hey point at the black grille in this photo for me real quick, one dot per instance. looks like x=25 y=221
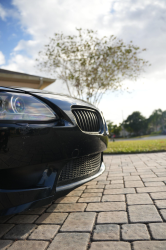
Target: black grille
x=79 y=168
x=88 y=120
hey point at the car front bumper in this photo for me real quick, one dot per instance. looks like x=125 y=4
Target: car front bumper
x=33 y=158
x=16 y=201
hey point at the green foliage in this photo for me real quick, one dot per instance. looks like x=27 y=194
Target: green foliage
x=89 y=65
x=136 y=123
x=136 y=146
x=110 y=126
x=116 y=130
x=156 y=133
x=157 y=119
x=113 y=128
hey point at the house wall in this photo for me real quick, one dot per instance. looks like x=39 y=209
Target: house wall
x=124 y=133
x=19 y=84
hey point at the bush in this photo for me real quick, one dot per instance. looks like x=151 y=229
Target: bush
x=156 y=133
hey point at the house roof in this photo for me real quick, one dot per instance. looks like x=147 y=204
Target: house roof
x=13 y=78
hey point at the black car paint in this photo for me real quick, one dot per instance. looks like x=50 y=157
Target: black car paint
x=32 y=155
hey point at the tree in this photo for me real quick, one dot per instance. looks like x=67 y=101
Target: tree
x=110 y=126
x=116 y=130
x=89 y=65
x=136 y=123
x=163 y=120
x=113 y=128
x=157 y=119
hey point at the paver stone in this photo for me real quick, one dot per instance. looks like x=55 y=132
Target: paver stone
x=4 y=244
x=84 y=195
x=149 y=245
x=52 y=218
x=112 y=217
x=158 y=230
x=163 y=213
x=106 y=206
x=67 y=199
x=70 y=241
x=20 y=232
x=44 y=232
x=138 y=199
x=144 y=214
x=135 y=232
x=4 y=228
x=113 y=197
x=160 y=204
x=79 y=222
x=71 y=207
x=19 y=219
x=120 y=191
x=107 y=232
x=109 y=245
x=29 y=245
x=89 y=199
x=158 y=196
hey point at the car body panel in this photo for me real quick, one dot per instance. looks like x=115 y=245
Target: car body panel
x=32 y=155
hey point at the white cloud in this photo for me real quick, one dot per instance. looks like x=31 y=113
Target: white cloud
x=7 y=12
x=31 y=47
x=42 y=18
x=3 y=13
x=143 y=22
x=20 y=63
x=2 y=58
x=148 y=96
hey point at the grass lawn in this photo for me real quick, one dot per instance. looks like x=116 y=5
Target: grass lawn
x=135 y=146
x=140 y=136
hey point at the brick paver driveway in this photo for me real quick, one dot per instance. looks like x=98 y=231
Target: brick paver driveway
x=123 y=209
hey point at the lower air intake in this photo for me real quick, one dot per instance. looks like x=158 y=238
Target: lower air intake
x=80 y=168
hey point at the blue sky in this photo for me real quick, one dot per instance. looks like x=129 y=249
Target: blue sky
x=25 y=27
x=11 y=31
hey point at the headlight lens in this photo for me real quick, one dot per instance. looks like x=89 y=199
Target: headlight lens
x=18 y=105
x=14 y=106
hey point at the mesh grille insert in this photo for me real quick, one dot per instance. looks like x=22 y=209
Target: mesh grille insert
x=79 y=168
x=88 y=120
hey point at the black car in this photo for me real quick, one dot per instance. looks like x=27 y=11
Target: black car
x=49 y=145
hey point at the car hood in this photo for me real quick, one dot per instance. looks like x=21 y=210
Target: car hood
x=45 y=93
x=64 y=102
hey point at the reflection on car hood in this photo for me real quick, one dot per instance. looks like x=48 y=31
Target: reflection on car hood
x=56 y=98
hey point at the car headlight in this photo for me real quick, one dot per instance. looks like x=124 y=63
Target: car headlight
x=18 y=106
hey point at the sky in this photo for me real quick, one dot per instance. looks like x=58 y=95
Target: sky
x=25 y=27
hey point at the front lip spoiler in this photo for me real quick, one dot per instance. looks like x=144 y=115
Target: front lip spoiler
x=79 y=183
x=44 y=199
